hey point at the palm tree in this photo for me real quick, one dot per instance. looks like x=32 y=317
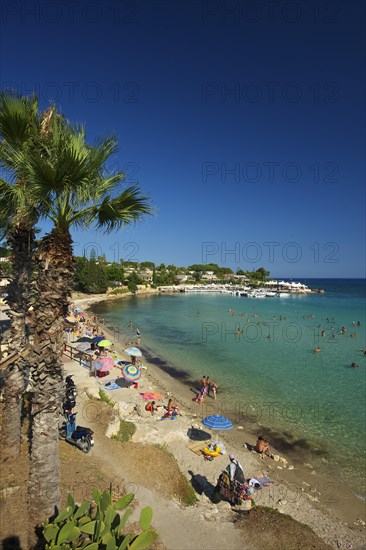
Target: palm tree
x=19 y=126
x=70 y=177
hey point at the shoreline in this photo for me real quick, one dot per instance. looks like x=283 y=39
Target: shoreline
x=337 y=502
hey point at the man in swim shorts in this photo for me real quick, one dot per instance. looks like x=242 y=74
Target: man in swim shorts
x=263 y=447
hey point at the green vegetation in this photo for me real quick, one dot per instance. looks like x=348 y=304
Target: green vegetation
x=104 y=397
x=120 y=291
x=90 y=276
x=96 y=275
x=97 y=524
x=54 y=175
x=125 y=432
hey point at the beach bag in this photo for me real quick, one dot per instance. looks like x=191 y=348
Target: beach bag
x=239 y=475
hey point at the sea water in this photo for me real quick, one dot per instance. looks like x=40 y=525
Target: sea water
x=261 y=354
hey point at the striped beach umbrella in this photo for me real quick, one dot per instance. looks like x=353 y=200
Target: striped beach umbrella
x=134 y=352
x=217 y=422
x=131 y=373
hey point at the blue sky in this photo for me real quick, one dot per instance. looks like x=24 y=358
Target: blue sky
x=243 y=123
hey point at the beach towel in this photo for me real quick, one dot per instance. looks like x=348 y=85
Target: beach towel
x=151 y=396
x=198 y=446
x=111 y=385
x=264 y=481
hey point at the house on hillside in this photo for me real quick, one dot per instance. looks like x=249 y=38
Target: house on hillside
x=146 y=275
x=209 y=276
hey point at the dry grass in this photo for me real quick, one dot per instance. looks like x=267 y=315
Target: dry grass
x=268 y=528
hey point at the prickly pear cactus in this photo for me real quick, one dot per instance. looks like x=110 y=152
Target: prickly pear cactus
x=98 y=525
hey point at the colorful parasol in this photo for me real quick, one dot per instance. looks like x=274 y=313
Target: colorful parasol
x=108 y=362
x=71 y=319
x=217 y=422
x=104 y=343
x=134 y=352
x=96 y=365
x=131 y=373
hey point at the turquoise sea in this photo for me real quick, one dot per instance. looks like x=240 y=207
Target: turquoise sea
x=309 y=404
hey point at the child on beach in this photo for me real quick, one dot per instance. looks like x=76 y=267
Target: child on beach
x=199 y=398
x=214 y=388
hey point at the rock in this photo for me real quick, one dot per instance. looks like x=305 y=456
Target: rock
x=209 y=517
x=113 y=427
x=223 y=506
x=279 y=468
x=276 y=458
x=240 y=428
x=92 y=392
x=9 y=491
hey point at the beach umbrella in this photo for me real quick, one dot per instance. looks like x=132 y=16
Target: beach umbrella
x=217 y=422
x=107 y=361
x=71 y=319
x=77 y=309
x=83 y=346
x=66 y=320
x=97 y=339
x=84 y=339
x=96 y=365
x=134 y=352
x=131 y=373
x=104 y=343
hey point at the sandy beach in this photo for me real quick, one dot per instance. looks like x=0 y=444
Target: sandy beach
x=332 y=511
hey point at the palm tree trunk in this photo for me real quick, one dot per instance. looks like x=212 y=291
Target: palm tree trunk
x=54 y=284
x=21 y=240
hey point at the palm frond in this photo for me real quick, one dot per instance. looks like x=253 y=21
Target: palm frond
x=113 y=213
x=18 y=118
